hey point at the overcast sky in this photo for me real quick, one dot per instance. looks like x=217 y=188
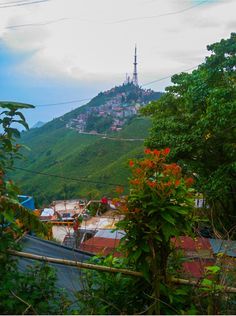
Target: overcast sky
x=62 y=50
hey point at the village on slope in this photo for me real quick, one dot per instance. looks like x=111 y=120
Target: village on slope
x=90 y=227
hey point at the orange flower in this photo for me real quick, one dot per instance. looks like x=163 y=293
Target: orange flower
x=131 y=163
x=156 y=152
x=166 y=151
x=172 y=169
x=177 y=183
x=151 y=184
x=138 y=170
x=147 y=151
x=189 y=182
x=135 y=181
x=148 y=163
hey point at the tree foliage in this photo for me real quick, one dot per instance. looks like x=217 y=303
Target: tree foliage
x=197 y=119
x=19 y=292
x=11 y=211
x=32 y=292
x=159 y=207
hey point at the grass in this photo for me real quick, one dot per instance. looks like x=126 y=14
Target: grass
x=60 y=151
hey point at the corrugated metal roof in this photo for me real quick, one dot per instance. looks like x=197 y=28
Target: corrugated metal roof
x=107 y=233
x=227 y=247
x=192 y=244
x=69 y=278
x=100 y=245
x=196 y=268
x=27 y=201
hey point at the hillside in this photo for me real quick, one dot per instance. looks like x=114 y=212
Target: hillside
x=100 y=163
x=38 y=124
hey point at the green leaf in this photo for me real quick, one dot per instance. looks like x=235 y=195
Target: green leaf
x=9 y=215
x=178 y=209
x=213 y=269
x=168 y=218
x=207 y=283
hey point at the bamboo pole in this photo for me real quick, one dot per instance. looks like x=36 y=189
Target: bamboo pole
x=90 y=266
x=73 y=263
x=227 y=289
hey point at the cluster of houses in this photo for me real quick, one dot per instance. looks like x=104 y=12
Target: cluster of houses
x=74 y=227
x=118 y=107
x=73 y=224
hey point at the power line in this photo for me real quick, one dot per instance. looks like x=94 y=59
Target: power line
x=68 y=178
x=35 y=24
x=14 y=2
x=167 y=77
x=65 y=102
x=3 y=6
x=63 y=19
x=158 y=16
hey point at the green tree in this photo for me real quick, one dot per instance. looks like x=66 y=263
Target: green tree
x=10 y=208
x=20 y=292
x=159 y=207
x=197 y=118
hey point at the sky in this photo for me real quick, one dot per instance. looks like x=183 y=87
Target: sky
x=64 y=51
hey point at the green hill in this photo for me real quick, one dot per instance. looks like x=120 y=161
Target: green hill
x=75 y=165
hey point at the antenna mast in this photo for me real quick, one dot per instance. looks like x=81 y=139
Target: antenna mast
x=135 y=74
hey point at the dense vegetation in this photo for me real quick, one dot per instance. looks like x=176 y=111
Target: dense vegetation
x=197 y=119
x=20 y=292
x=59 y=151
x=98 y=123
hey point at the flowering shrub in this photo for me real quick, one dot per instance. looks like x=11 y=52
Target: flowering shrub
x=159 y=206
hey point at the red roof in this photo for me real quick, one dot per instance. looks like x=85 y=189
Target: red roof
x=196 y=268
x=192 y=244
x=198 y=250
x=100 y=245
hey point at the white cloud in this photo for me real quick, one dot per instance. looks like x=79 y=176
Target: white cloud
x=88 y=47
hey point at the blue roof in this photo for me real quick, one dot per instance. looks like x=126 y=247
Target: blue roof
x=27 y=201
x=227 y=247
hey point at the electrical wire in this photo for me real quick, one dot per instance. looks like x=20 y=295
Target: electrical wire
x=35 y=24
x=12 y=27
x=68 y=178
x=14 y=2
x=3 y=6
x=65 y=102
x=167 y=77
x=158 y=16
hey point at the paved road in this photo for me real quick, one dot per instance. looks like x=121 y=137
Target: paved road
x=104 y=136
